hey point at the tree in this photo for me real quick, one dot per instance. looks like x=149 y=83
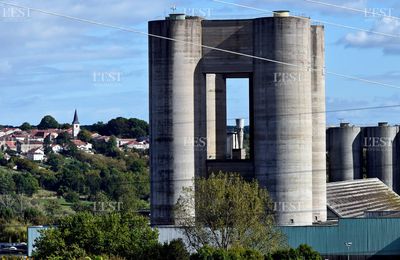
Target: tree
x=25 y=126
x=25 y=184
x=85 y=136
x=72 y=197
x=48 y=122
x=47 y=144
x=63 y=138
x=240 y=215
x=300 y=253
x=84 y=234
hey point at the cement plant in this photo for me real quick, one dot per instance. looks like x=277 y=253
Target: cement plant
x=330 y=185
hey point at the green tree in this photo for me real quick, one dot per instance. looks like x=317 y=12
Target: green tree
x=240 y=215
x=25 y=184
x=25 y=126
x=300 y=253
x=84 y=234
x=63 y=138
x=47 y=145
x=7 y=184
x=72 y=197
x=85 y=136
x=48 y=122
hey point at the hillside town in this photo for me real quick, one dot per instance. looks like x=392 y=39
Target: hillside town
x=31 y=144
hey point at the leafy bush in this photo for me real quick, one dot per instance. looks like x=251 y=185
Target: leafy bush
x=210 y=253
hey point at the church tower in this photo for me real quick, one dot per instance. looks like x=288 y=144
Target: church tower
x=76 y=127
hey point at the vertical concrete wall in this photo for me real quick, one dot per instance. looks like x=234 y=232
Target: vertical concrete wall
x=380 y=147
x=319 y=122
x=216 y=116
x=172 y=133
x=282 y=116
x=345 y=153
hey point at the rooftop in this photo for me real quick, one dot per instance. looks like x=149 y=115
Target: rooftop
x=351 y=199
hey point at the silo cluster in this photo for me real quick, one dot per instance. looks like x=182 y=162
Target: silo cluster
x=287 y=104
x=357 y=152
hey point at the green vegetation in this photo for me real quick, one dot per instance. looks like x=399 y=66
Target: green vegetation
x=84 y=234
x=240 y=215
x=48 y=122
x=41 y=193
x=121 y=127
x=128 y=236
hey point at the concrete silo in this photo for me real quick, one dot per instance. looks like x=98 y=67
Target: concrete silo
x=380 y=147
x=344 y=152
x=286 y=112
x=172 y=68
x=283 y=115
x=319 y=122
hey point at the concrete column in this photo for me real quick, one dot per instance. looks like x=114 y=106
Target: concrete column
x=380 y=146
x=319 y=123
x=282 y=116
x=216 y=116
x=345 y=153
x=172 y=107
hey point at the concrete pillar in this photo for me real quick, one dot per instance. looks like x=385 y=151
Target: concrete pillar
x=319 y=123
x=380 y=146
x=344 y=152
x=282 y=116
x=173 y=68
x=216 y=116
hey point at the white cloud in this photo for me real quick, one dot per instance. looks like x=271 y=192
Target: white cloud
x=389 y=45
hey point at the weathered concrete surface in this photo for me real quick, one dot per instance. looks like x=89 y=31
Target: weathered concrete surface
x=188 y=109
x=282 y=116
x=216 y=116
x=345 y=154
x=172 y=138
x=319 y=122
x=380 y=146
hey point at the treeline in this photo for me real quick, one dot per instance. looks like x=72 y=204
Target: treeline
x=128 y=236
x=119 y=127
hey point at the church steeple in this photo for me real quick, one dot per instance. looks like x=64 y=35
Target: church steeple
x=76 y=120
x=76 y=127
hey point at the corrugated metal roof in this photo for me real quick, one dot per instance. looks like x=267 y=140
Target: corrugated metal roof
x=349 y=199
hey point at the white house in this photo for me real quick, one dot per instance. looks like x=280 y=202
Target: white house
x=36 y=154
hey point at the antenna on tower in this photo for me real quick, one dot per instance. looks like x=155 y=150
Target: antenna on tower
x=173 y=8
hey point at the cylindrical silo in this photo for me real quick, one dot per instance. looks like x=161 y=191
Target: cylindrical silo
x=379 y=146
x=344 y=152
x=319 y=122
x=282 y=115
x=172 y=135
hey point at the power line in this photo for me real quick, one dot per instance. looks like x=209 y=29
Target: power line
x=354 y=9
x=310 y=113
x=318 y=21
x=199 y=45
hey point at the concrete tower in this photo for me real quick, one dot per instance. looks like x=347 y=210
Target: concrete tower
x=172 y=112
x=76 y=127
x=319 y=122
x=380 y=146
x=188 y=110
x=282 y=115
x=344 y=148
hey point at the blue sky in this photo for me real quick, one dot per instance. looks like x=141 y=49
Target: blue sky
x=50 y=65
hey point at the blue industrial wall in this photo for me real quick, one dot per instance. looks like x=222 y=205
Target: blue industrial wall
x=369 y=236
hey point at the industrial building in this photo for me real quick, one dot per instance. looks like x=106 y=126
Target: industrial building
x=188 y=109
x=364 y=152
x=292 y=152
